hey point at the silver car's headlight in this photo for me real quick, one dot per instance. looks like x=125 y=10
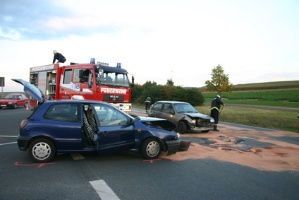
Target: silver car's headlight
x=178 y=135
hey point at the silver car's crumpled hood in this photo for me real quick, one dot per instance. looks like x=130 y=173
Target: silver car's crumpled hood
x=198 y=115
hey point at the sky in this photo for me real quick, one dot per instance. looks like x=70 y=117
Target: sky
x=155 y=40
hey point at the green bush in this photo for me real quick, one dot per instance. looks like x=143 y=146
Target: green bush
x=166 y=92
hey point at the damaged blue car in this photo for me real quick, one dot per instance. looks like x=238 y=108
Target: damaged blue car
x=69 y=126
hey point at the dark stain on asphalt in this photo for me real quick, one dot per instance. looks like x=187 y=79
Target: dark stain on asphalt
x=242 y=144
x=292 y=140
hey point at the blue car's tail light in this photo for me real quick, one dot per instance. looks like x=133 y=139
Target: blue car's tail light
x=24 y=123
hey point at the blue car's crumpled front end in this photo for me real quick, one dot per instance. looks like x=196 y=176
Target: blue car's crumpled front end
x=163 y=129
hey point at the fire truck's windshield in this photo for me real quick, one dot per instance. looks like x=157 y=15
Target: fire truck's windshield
x=114 y=79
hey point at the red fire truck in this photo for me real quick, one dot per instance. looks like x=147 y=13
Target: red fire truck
x=84 y=81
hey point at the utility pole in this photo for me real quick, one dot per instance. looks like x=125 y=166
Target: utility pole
x=2 y=84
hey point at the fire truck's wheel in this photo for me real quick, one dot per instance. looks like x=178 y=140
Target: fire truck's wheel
x=25 y=105
x=42 y=150
x=151 y=149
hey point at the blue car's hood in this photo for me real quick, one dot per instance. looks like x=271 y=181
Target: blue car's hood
x=157 y=122
x=31 y=90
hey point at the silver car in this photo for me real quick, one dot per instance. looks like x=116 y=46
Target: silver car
x=183 y=114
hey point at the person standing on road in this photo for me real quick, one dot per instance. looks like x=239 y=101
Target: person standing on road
x=215 y=108
x=148 y=102
x=59 y=57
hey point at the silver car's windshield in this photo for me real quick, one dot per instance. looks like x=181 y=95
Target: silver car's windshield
x=184 y=108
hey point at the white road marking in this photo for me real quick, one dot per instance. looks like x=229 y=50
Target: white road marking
x=8 y=143
x=8 y=136
x=103 y=190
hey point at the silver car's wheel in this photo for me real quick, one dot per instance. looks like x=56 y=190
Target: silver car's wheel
x=182 y=127
x=151 y=149
x=41 y=150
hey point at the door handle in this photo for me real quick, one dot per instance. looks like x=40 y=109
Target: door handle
x=105 y=133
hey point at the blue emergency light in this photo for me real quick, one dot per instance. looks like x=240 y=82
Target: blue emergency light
x=118 y=65
x=92 y=60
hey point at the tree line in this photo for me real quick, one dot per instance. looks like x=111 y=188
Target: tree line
x=166 y=92
x=219 y=82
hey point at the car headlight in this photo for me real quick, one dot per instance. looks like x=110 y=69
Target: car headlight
x=178 y=135
x=10 y=102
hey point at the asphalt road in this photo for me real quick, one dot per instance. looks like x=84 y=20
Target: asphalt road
x=127 y=176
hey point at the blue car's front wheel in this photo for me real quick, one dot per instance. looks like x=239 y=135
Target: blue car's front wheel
x=151 y=148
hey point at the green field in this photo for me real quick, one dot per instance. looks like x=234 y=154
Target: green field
x=269 y=105
x=268 y=85
x=260 y=117
x=282 y=98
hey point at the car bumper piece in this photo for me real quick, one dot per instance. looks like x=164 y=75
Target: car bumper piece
x=202 y=128
x=184 y=145
x=173 y=146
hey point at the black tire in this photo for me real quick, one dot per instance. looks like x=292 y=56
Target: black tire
x=151 y=149
x=205 y=131
x=42 y=150
x=182 y=127
x=15 y=106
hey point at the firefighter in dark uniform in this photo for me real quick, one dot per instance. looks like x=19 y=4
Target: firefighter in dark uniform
x=215 y=108
x=148 y=102
x=59 y=57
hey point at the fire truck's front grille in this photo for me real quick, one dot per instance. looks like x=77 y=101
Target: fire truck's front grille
x=111 y=97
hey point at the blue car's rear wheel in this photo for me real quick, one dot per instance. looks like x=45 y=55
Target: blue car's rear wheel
x=42 y=150
x=151 y=148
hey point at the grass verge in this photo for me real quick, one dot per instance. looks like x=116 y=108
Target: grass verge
x=260 y=117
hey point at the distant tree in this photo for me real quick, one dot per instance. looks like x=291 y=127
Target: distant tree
x=219 y=81
x=170 y=82
x=149 y=83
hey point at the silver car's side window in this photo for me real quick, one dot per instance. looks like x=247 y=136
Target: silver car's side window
x=157 y=107
x=168 y=108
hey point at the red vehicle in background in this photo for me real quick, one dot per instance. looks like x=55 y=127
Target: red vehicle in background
x=92 y=81
x=13 y=100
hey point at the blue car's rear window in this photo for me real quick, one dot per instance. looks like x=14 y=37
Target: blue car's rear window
x=63 y=112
